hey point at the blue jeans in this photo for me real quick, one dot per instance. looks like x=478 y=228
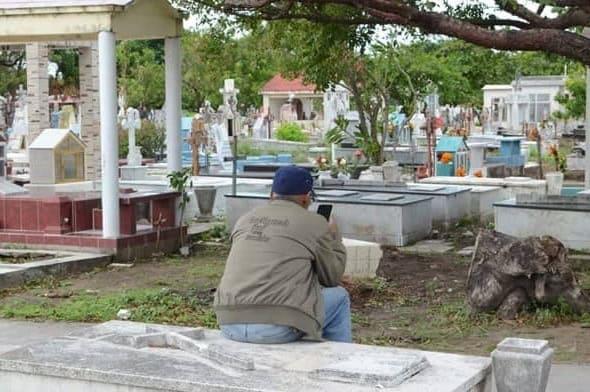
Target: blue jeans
x=337 y=324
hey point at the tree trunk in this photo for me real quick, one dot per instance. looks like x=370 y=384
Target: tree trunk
x=507 y=274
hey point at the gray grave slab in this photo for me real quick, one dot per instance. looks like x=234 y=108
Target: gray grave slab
x=335 y=193
x=426 y=187
x=126 y=356
x=381 y=197
x=449 y=203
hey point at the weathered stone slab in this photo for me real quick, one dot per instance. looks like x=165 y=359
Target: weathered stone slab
x=362 y=258
x=93 y=360
x=429 y=247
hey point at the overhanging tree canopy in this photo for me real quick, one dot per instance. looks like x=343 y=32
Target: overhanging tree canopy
x=551 y=25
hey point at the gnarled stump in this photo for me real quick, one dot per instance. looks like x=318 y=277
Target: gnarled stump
x=508 y=273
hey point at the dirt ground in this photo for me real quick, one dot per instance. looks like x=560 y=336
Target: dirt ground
x=417 y=301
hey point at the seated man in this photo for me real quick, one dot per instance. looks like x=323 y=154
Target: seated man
x=281 y=278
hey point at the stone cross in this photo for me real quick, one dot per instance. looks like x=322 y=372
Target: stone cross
x=132 y=124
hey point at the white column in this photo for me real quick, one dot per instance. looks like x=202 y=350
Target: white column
x=109 y=137
x=173 y=104
x=587 y=126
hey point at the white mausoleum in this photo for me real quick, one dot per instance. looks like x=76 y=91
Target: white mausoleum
x=527 y=100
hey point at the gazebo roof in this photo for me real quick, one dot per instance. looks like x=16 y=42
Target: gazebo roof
x=23 y=21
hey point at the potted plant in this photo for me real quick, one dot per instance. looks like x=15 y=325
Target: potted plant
x=359 y=164
x=555 y=179
x=178 y=182
x=339 y=168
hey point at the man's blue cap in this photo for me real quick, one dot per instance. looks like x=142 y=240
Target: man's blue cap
x=292 y=180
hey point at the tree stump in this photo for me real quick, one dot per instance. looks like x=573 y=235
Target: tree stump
x=507 y=274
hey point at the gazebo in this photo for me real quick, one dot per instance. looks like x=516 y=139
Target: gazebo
x=102 y=23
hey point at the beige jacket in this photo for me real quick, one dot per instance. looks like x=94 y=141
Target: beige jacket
x=281 y=256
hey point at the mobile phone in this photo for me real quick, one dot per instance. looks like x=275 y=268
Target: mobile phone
x=325 y=210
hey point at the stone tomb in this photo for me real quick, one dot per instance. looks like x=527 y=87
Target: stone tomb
x=125 y=356
x=398 y=220
x=565 y=218
x=449 y=203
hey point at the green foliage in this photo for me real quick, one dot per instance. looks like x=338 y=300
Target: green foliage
x=141 y=72
x=245 y=148
x=179 y=181
x=214 y=55
x=147 y=305
x=150 y=137
x=291 y=132
x=574 y=100
x=67 y=62
x=364 y=140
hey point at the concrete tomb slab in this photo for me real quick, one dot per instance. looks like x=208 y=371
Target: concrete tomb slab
x=449 y=203
x=394 y=222
x=125 y=356
x=382 y=197
x=336 y=193
x=362 y=258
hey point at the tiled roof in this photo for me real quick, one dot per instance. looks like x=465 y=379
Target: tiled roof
x=279 y=84
x=16 y=4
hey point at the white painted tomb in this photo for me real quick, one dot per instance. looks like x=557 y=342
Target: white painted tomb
x=569 y=221
x=397 y=220
x=513 y=185
x=120 y=356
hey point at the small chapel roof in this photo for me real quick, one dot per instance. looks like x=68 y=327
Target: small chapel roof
x=51 y=138
x=279 y=84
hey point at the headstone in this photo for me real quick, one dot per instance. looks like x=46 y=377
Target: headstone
x=133 y=123
x=418 y=122
x=391 y=172
x=287 y=113
x=198 y=139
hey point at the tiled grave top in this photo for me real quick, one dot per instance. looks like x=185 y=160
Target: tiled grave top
x=355 y=198
x=414 y=189
x=188 y=359
x=524 y=346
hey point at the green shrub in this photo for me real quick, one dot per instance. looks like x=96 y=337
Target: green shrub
x=151 y=139
x=291 y=132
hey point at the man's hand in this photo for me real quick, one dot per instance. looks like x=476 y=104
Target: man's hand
x=333 y=226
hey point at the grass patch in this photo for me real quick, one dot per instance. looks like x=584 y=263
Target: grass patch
x=162 y=306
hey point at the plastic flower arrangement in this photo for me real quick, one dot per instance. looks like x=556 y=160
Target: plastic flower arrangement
x=558 y=158
x=322 y=163
x=446 y=158
x=339 y=167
